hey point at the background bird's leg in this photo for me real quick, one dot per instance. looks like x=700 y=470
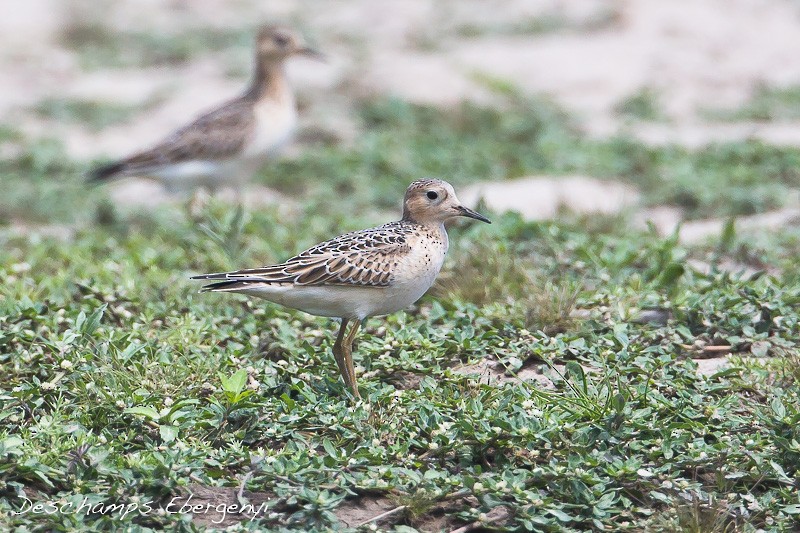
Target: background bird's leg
x=338 y=352
x=347 y=348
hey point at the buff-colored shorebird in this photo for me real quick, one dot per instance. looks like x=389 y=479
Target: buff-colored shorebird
x=229 y=144
x=364 y=273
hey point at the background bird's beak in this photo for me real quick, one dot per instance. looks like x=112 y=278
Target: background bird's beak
x=311 y=52
x=467 y=212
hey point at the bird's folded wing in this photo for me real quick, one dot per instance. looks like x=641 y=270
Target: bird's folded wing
x=219 y=134
x=363 y=258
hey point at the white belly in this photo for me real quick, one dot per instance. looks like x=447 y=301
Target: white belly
x=186 y=170
x=334 y=300
x=189 y=174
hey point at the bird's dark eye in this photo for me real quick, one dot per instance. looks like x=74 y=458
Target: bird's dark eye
x=281 y=40
x=433 y=195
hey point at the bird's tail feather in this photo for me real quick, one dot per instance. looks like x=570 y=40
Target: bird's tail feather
x=106 y=172
x=230 y=285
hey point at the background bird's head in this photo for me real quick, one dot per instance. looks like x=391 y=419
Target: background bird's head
x=276 y=43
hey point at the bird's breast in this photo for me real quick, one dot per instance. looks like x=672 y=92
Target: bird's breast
x=275 y=122
x=422 y=263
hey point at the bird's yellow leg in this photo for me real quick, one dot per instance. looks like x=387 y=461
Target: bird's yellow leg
x=338 y=352
x=347 y=348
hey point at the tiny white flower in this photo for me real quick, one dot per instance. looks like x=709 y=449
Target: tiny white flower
x=168 y=402
x=120 y=404
x=18 y=268
x=48 y=386
x=477 y=487
x=66 y=364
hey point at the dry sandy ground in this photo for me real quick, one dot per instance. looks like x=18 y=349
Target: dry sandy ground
x=587 y=54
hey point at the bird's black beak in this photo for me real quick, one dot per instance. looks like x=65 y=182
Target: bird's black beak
x=467 y=212
x=313 y=53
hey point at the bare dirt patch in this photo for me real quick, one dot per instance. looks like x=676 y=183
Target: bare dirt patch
x=364 y=510
x=711 y=365
x=405 y=380
x=542 y=197
x=588 y=55
x=493 y=373
x=207 y=504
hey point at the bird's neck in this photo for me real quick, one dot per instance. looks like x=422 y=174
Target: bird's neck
x=269 y=81
x=432 y=226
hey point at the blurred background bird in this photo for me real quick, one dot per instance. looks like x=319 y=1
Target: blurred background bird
x=226 y=146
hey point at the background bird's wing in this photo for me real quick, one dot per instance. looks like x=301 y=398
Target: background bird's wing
x=219 y=134
x=362 y=258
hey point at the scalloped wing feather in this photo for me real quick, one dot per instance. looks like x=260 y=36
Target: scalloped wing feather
x=362 y=258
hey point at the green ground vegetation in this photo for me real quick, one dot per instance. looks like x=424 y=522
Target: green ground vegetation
x=122 y=384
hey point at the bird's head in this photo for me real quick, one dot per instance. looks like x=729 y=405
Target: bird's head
x=432 y=200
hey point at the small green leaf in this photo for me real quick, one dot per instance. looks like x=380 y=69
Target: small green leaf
x=619 y=402
x=10 y=444
x=660 y=496
x=168 y=433
x=330 y=448
x=778 y=407
x=145 y=411
x=561 y=515
x=575 y=371
x=236 y=383
x=88 y=325
x=728 y=236
x=670 y=275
